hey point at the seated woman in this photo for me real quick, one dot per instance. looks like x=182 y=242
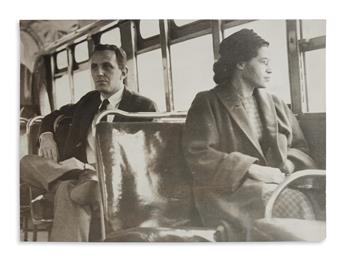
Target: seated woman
x=240 y=142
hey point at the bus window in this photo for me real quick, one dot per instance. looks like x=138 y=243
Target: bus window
x=191 y=63
x=112 y=37
x=149 y=28
x=313 y=28
x=273 y=31
x=62 y=91
x=81 y=52
x=82 y=83
x=315 y=78
x=150 y=75
x=183 y=22
x=61 y=60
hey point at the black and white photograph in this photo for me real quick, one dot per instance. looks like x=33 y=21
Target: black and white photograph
x=171 y=130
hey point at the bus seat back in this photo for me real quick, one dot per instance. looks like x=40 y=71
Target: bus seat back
x=314 y=129
x=33 y=137
x=143 y=175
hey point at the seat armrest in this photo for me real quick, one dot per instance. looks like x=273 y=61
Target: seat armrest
x=288 y=181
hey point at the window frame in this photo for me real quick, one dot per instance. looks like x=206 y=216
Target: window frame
x=170 y=34
x=297 y=48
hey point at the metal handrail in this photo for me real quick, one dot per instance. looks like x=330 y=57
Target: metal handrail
x=295 y=176
x=24 y=120
x=142 y=115
x=32 y=121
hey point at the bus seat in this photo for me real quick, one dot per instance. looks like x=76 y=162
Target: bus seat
x=144 y=182
x=314 y=129
x=24 y=200
x=146 y=188
x=23 y=137
x=41 y=210
x=286 y=229
x=33 y=130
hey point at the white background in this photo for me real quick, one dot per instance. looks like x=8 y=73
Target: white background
x=12 y=11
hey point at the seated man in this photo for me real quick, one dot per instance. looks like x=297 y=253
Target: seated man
x=240 y=141
x=71 y=176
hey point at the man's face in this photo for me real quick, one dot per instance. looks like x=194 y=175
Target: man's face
x=257 y=71
x=106 y=74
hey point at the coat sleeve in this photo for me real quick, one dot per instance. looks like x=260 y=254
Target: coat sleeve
x=210 y=166
x=146 y=105
x=298 y=150
x=151 y=106
x=48 y=121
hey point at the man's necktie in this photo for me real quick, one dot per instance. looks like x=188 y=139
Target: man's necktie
x=103 y=107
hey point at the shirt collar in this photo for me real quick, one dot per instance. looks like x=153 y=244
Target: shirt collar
x=115 y=99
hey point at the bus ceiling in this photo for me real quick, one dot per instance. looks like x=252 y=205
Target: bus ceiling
x=42 y=36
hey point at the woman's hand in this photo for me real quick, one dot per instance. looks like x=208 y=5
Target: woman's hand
x=266 y=174
x=290 y=166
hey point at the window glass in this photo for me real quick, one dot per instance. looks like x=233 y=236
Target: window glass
x=61 y=60
x=82 y=83
x=112 y=37
x=192 y=63
x=81 y=52
x=150 y=76
x=273 y=31
x=149 y=28
x=183 y=22
x=62 y=91
x=313 y=28
x=315 y=71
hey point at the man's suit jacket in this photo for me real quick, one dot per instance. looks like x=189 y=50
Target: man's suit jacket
x=82 y=114
x=219 y=143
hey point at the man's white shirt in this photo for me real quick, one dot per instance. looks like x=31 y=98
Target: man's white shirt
x=114 y=102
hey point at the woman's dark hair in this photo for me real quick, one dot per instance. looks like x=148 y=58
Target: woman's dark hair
x=121 y=56
x=238 y=47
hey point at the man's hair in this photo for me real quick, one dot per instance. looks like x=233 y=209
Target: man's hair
x=121 y=57
x=238 y=47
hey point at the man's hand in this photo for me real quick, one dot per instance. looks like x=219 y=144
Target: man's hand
x=48 y=147
x=73 y=163
x=266 y=174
